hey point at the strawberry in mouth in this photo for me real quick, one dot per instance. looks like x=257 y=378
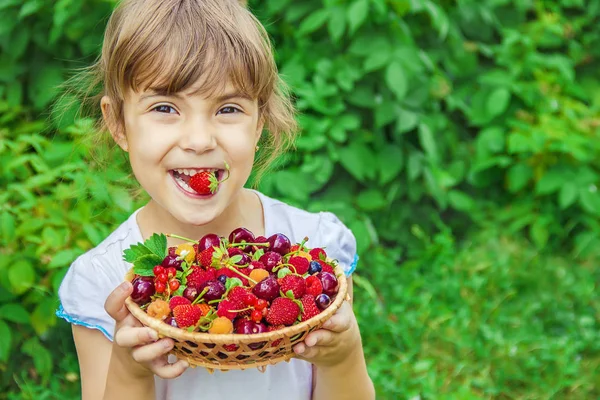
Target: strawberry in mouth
x=200 y=181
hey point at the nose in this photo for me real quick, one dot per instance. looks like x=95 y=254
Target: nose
x=199 y=136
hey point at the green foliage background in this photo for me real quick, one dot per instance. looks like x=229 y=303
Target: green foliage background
x=460 y=142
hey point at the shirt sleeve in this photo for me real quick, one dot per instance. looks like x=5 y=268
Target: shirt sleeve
x=83 y=292
x=338 y=241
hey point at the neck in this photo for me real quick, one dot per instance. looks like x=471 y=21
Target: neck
x=153 y=219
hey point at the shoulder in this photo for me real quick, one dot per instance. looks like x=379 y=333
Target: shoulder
x=323 y=228
x=93 y=275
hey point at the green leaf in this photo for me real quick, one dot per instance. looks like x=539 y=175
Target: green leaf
x=337 y=24
x=518 y=176
x=357 y=13
x=358 y=160
x=283 y=272
x=7 y=227
x=144 y=265
x=63 y=258
x=590 y=200
x=551 y=182
x=135 y=251
x=42 y=359
x=406 y=120
x=498 y=101
x=371 y=200
x=376 y=60
x=568 y=195
x=5 y=341
x=391 y=162
x=157 y=243
x=15 y=313
x=237 y=258
x=460 y=201
x=44 y=84
x=21 y=276
x=313 y=22
x=539 y=232
x=396 y=79
x=230 y=283
x=43 y=317
x=428 y=142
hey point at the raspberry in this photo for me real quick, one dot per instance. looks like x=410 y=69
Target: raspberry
x=300 y=264
x=257 y=265
x=313 y=286
x=178 y=301
x=199 y=276
x=159 y=309
x=225 y=307
x=318 y=254
x=310 y=307
x=205 y=257
x=294 y=283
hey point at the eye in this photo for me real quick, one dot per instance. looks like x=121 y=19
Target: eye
x=229 y=110
x=165 y=109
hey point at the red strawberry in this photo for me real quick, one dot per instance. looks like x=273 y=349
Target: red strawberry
x=199 y=276
x=240 y=297
x=294 y=248
x=204 y=182
x=318 y=254
x=205 y=257
x=283 y=311
x=300 y=264
x=186 y=315
x=178 y=301
x=310 y=307
x=294 y=283
x=326 y=267
x=314 y=286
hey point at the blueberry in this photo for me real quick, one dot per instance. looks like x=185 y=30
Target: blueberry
x=222 y=279
x=314 y=268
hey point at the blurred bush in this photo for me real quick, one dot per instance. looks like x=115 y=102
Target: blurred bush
x=419 y=118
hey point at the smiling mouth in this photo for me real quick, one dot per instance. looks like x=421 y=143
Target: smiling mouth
x=182 y=177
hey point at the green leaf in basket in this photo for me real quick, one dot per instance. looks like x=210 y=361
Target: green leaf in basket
x=145 y=264
x=155 y=245
x=231 y=283
x=283 y=272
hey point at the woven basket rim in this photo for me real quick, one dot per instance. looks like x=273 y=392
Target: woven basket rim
x=165 y=330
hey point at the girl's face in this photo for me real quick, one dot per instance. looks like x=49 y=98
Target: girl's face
x=169 y=137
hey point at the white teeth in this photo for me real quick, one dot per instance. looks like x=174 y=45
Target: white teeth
x=192 y=172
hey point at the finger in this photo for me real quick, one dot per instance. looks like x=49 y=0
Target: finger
x=169 y=371
x=150 y=352
x=131 y=337
x=305 y=352
x=320 y=337
x=115 y=302
x=339 y=322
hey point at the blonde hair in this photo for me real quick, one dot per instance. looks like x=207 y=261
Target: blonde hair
x=169 y=45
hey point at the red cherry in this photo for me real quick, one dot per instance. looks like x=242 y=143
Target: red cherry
x=256 y=315
x=173 y=285
x=171 y=272
x=261 y=304
x=162 y=278
x=160 y=286
x=158 y=270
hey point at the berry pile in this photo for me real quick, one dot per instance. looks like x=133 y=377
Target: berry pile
x=242 y=284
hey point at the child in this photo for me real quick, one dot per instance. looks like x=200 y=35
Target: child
x=189 y=85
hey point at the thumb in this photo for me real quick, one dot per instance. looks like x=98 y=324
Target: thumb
x=115 y=302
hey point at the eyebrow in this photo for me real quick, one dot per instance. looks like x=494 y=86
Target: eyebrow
x=219 y=99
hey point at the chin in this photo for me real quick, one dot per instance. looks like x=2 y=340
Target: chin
x=197 y=218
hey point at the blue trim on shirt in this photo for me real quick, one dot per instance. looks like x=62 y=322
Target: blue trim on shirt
x=62 y=314
x=353 y=265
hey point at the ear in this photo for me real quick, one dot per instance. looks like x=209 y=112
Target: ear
x=110 y=117
x=259 y=129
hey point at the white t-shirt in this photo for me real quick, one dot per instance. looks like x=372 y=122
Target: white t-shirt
x=95 y=274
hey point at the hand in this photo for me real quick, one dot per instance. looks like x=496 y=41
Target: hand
x=137 y=346
x=336 y=340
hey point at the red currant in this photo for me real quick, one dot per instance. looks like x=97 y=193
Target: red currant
x=160 y=287
x=256 y=316
x=162 y=278
x=250 y=299
x=171 y=272
x=173 y=285
x=158 y=270
x=261 y=304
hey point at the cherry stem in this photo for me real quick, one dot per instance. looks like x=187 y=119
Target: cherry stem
x=278 y=267
x=182 y=238
x=239 y=273
x=202 y=293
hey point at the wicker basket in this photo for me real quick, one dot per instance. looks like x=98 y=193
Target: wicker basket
x=208 y=350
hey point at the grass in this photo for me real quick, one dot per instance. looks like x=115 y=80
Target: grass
x=492 y=320
x=489 y=319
